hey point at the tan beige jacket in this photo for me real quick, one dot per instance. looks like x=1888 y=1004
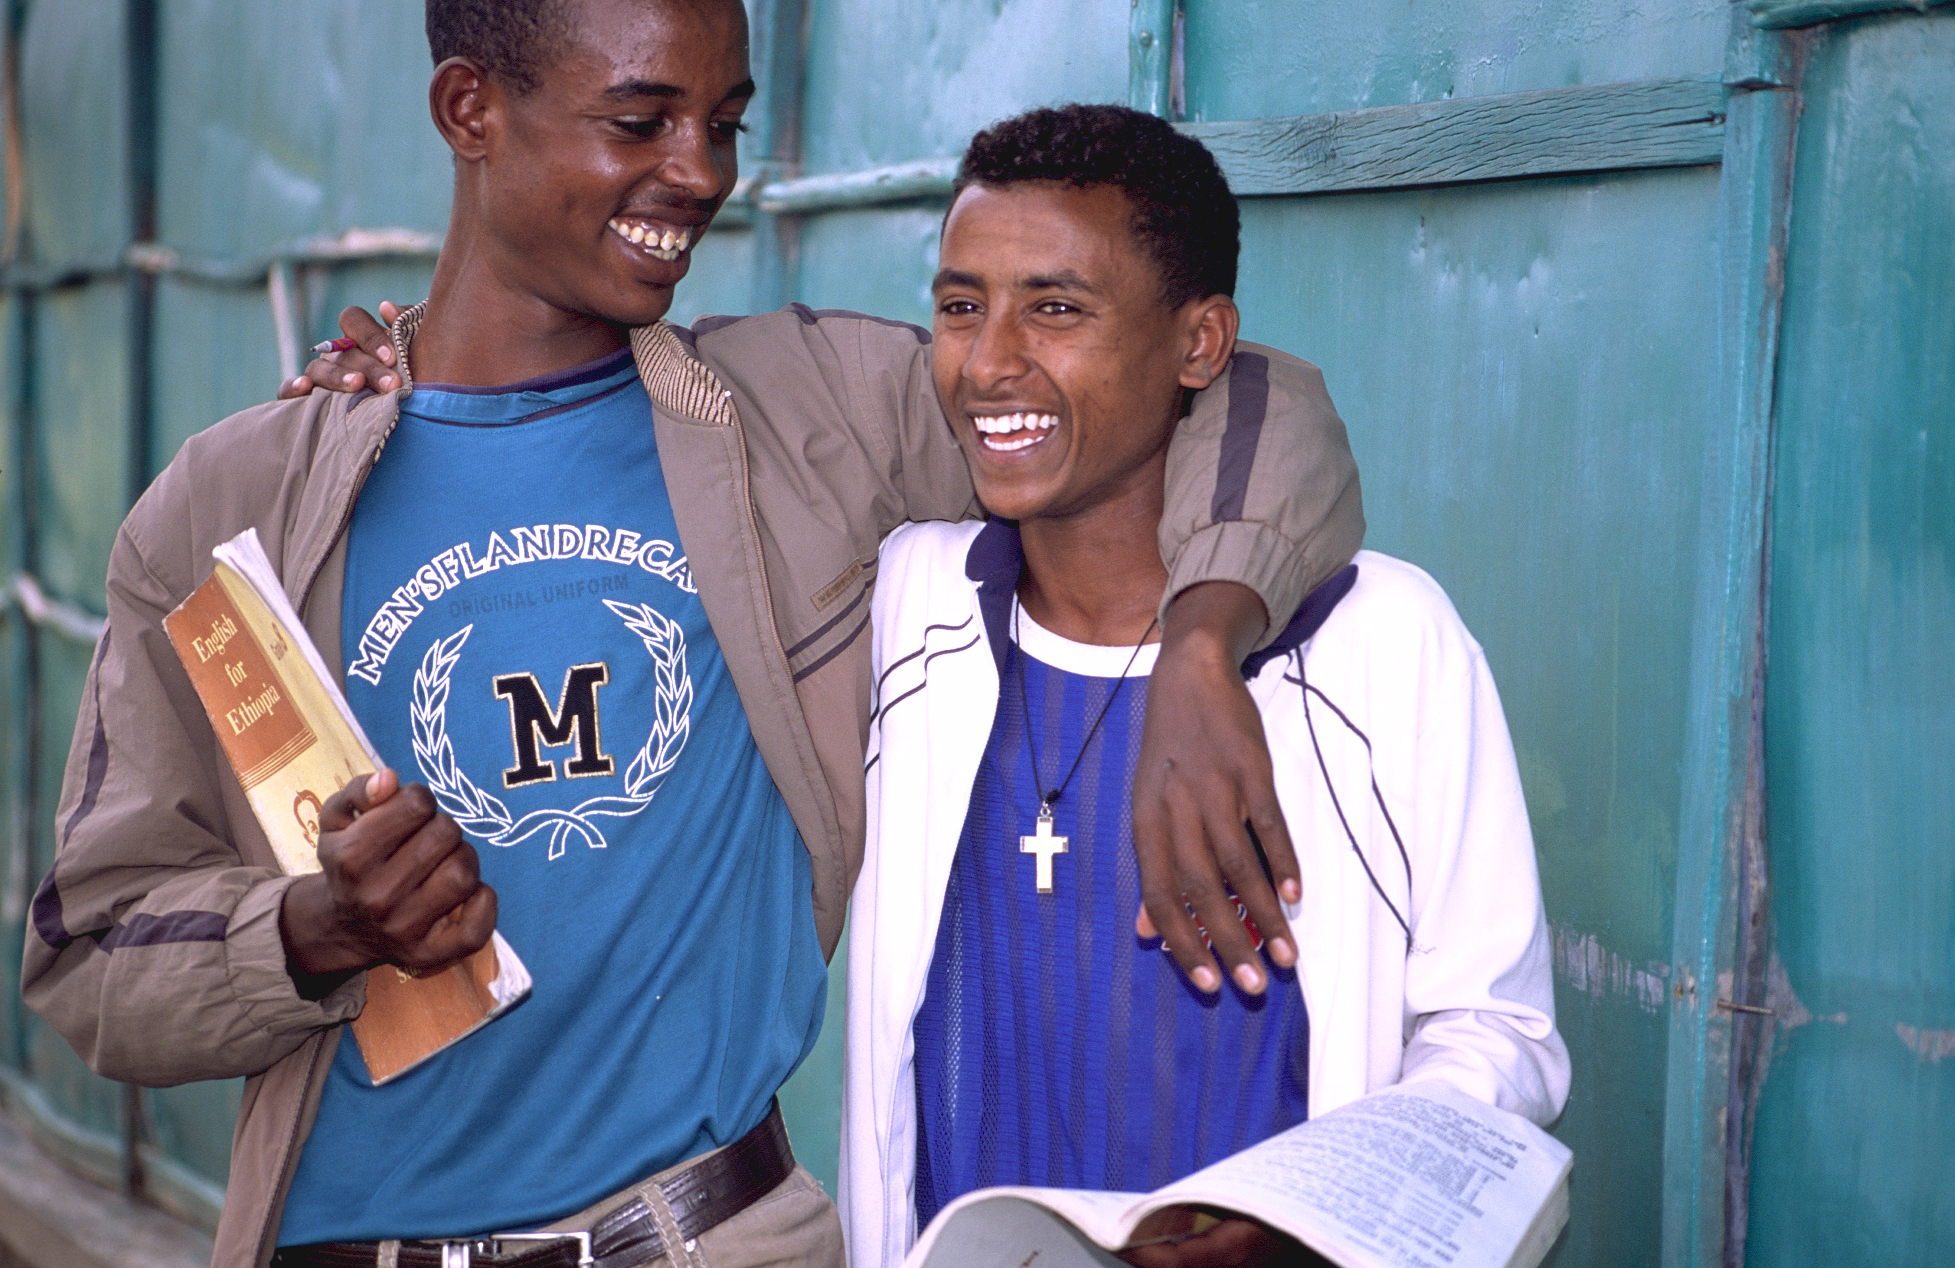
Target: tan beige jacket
x=792 y=443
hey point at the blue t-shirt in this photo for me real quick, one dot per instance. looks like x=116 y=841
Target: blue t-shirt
x=1054 y=1047
x=522 y=634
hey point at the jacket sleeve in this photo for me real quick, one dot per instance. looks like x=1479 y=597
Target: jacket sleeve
x=152 y=947
x=1479 y=988
x=1261 y=485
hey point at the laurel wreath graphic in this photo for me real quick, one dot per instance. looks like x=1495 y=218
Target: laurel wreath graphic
x=482 y=814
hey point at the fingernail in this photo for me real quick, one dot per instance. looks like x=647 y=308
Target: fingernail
x=386 y=354
x=387 y=382
x=1292 y=891
x=1282 y=952
x=1248 y=978
x=348 y=378
x=373 y=785
x=1205 y=978
x=298 y=382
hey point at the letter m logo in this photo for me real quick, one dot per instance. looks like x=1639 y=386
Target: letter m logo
x=533 y=724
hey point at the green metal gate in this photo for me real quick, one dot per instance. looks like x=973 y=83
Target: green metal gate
x=1547 y=256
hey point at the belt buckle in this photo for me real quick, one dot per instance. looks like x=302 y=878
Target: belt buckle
x=495 y=1240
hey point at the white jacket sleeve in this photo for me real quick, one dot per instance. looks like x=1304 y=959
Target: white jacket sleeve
x=1479 y=989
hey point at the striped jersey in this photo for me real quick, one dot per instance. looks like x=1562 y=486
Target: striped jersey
x=1054 y=1047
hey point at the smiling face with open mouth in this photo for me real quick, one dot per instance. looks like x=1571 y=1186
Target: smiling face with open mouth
x=598 y=181
x=1056 y=355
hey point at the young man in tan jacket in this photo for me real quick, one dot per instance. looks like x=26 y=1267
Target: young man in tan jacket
x=680 y=528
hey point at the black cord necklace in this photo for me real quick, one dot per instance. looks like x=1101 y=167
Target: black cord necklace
x=1042 y=842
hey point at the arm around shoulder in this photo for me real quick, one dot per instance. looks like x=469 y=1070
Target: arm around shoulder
x=1261 y=485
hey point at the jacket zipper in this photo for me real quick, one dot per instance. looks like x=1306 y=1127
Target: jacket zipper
x=304 y=594
x=275 y=1209
x=407 y=328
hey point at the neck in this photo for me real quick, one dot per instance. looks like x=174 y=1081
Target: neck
x=483 y=329
x=1095 y=575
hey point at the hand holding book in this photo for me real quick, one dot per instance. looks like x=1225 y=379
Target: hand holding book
x=386 y=882
x=397 y=884
x=1193 y=1237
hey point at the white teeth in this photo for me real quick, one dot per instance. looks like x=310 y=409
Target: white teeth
x=1006 y=446
x=665 y=245
x=1004 y=424
x=994 y=428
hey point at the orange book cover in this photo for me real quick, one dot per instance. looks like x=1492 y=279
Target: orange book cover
x=293 y=741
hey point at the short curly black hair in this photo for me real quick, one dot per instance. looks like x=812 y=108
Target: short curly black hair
x=1183 y=212
x=511 y=39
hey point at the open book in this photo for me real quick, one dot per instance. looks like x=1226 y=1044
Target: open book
x=293 y=741
x=1411 y=1177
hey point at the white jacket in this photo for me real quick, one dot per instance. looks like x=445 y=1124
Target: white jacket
x=1472 y=1003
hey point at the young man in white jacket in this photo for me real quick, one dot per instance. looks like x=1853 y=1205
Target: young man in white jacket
x=1010 y=1020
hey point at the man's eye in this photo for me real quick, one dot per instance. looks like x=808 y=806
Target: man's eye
x=642 y=128
x=1057 y=308
x=957 y=308
x=728 y=129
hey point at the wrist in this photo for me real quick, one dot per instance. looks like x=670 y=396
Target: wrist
x=316 y=948
x=1215 y=621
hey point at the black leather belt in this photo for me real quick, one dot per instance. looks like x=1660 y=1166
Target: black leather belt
x=706 y=1194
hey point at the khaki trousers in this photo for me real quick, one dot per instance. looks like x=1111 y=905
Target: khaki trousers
x=793 y=1225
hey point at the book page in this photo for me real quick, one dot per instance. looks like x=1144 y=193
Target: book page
x=1013 y=1226
x=1412 y=1178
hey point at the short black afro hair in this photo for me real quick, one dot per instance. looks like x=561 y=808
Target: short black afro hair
x=1183 y=212
x=511 y=39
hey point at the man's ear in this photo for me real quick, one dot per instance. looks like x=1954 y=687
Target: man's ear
x=1210 y=326
x=460 y=98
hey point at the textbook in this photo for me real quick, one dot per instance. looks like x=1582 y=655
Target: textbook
x=1407 y=1177
x=293 y=741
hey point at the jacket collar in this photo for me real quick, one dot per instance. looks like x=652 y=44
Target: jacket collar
x=996 y=562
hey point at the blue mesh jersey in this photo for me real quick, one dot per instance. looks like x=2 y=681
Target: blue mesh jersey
x=524 y=636
x=1054 y=1047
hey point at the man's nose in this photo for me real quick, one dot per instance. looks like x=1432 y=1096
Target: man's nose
x=693 y=164
x=997 y=352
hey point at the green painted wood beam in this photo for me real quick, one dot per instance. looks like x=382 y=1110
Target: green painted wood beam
x=1150 y=46
x=355 y=246
x=1558 y=131
x=1720 y=829
x=903 y=182
x=1775 y=14
x=1607 y=127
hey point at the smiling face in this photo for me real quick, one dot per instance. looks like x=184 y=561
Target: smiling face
x=594 y=187
x=1058 y=360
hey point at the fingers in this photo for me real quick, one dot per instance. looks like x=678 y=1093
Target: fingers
x=372 y=364
x=1265 y=911
x=430 y=875
x=1270 y=830
x=352 y=801
x=347 y=371
x=1163 y=883
x=406 y=886
x=376 y=345
x=1230 y=864
x=459 y=933
x=357 y=324
x=1242 y=864
x=389 y=312
x=1240 y=1243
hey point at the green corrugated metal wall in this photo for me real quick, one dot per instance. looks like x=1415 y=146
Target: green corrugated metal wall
x=1555 y=335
